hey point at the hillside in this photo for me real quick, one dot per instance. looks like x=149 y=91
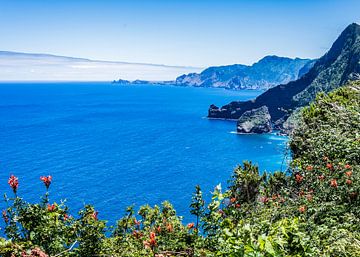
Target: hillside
x=266 y=73
x=311 y=210
x=339 y=65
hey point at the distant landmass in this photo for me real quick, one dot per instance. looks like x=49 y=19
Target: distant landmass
x=266 y=73
x=17 y=66
x=338 y=66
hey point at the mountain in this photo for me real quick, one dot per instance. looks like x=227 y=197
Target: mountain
x=339 y=65
x=28 y=66
x=266 y=73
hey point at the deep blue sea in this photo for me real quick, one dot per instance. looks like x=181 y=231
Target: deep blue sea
x=113 y=146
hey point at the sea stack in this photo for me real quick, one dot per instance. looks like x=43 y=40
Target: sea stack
x=255 y=121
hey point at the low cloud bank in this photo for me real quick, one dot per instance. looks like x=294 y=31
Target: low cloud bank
x=27 y=67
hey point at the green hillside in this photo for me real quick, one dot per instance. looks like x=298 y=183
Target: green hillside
x=311 y=210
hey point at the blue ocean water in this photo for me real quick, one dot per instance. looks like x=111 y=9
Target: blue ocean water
x=113 y=146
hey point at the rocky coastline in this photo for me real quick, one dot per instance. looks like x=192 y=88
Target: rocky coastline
x=284 y=100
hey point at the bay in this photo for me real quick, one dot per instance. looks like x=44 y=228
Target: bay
x=115 y=145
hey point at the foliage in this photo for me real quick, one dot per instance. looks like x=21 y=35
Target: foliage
x=312 y=210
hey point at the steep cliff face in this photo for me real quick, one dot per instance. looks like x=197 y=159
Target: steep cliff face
x=268 y=72
x=339 y=65
x=255 y=121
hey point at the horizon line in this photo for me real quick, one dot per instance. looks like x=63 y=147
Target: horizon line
x=149 y=64
x=103 y=61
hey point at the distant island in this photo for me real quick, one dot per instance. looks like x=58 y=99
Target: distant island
x=142 y=82
x=262 y=75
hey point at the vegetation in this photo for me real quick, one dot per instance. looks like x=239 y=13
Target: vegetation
x=311 y=210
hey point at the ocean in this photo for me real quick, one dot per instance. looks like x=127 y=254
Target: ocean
x=113 y=145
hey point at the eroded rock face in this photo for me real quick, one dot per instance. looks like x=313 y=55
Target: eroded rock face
x=255 y=121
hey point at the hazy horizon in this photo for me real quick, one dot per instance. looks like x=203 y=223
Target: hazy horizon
x=42 y=67
x=20 y=67
x=182 y=34
x=178 y=33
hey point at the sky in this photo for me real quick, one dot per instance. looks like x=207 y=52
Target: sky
x=194 y=33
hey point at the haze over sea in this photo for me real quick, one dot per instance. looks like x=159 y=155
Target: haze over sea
x=113 y=146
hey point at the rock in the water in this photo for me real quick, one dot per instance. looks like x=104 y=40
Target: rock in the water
x=255 y=121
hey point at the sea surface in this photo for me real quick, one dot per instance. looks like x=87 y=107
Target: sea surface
x=114 y=145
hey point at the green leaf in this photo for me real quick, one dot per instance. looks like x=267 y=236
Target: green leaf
x=269 y=248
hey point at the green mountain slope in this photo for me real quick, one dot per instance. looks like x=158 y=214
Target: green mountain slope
x=339 y=65
x=266 y=73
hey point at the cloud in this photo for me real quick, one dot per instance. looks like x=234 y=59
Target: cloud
x=26 y=67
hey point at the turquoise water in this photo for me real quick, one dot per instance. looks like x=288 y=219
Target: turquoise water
x=113 y=146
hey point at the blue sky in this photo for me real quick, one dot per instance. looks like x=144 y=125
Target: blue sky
x=197 y=33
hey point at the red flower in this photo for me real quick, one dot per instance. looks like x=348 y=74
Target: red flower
x=348 y=173
x=95 y=215
x=66 y=216
x=152 y=241
x=146 y=244
x=5 y=217
x=302 y=209
x=169 y=227
x=298 y=178
x=232 y=200
x=309 y=168
x=137 y=223
x=349 y=182
x=51 y=207
x=348 y=166
x=190 y=225
x=333 y=183
x=46 y=180
x=264 y=199
x=237 y=205
x=329 y=166
x=321 y=177
x=34 y=252
x=158 y=229
x=137 y=234
x=14 y=183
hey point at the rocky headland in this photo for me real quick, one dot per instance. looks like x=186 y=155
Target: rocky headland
x=338 y=66
x=255 y=121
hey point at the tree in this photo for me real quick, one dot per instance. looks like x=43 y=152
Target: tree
x=197 y=205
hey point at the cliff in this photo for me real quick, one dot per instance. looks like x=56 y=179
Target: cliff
x=338 y=66
x=255 y=121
